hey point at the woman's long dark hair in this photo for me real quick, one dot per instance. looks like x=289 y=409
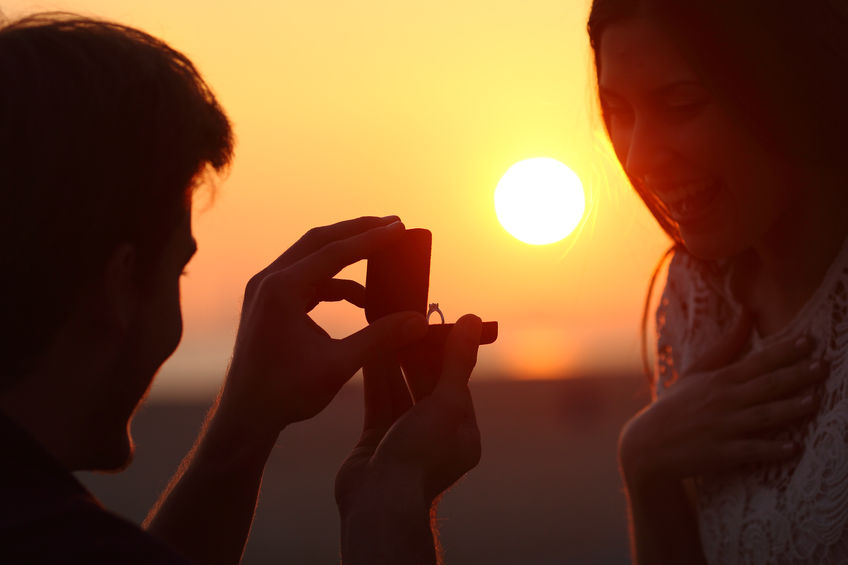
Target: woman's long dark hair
x=779 y=66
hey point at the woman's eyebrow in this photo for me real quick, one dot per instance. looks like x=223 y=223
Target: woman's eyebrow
x=605 y=91
x=668 y=88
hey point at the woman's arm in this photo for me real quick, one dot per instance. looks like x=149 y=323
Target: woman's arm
x=715 y=418
x=663 y=525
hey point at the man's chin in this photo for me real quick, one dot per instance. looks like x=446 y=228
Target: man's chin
x=113 y=456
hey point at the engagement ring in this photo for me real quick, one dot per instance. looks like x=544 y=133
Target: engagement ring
x=434 y=307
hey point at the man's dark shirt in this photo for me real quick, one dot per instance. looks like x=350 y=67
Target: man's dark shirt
x=47 y=516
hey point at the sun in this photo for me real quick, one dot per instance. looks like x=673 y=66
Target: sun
x=539 y=201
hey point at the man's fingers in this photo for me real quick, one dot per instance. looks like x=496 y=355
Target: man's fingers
x=461 y=352
x=731 y=346
x=385 y=335
x=428 y=367
x=327 y=261
x=451 y=396
x=446 y=415
x=334 y=290
x=318 y=237
x=422 y=365
x=386 y=395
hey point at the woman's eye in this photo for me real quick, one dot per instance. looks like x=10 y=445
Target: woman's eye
x=684 y=108
x=617 y=112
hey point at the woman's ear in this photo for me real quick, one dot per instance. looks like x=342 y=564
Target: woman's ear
x=117 y=303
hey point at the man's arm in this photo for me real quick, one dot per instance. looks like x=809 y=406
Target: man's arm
x=285 y=368
x=384 y=525
x=207 y=509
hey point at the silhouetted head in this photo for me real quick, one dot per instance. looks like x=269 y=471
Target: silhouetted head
x=764 y=115
x=103 y=132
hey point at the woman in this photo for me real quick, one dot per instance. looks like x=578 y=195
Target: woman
x=728 y=118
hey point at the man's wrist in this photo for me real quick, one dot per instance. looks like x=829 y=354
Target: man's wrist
x=245 y=413
x=230 y=439
x=387 y=521
x=387 y=535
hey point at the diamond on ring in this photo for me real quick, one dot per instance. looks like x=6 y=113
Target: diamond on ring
x=434 y=307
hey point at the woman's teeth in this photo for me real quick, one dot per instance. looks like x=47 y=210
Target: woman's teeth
x=687 y=201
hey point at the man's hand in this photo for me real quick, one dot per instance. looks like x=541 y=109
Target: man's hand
x=286 y=368
x=411 y=450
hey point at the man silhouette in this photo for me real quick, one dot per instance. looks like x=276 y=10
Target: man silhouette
x=106 y=132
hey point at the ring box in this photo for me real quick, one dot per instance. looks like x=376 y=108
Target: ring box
x=398 y=279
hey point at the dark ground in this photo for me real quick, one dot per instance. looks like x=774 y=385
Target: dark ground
x=546 y=491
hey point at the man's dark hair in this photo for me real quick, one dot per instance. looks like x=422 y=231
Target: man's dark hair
x=104 y=131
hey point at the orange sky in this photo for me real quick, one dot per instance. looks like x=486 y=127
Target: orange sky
x=343 y=109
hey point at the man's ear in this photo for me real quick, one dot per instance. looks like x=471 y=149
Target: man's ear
x=118 y=300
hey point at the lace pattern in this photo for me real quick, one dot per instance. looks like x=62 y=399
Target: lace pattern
x=788 y=513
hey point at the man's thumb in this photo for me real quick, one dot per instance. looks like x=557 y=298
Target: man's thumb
x=388 y=334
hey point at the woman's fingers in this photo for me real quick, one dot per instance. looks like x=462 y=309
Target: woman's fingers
x=781 y=383
x=721 y=454
x=746 y=451
x=772 y=415
x=770 y=359
x=722 y=418
x=729 y=348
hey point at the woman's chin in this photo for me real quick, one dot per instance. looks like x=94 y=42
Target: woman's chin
x=711 y=246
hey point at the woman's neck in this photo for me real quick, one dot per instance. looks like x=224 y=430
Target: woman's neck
x=779 y=275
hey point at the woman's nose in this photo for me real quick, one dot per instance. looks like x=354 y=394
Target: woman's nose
x=648 y=151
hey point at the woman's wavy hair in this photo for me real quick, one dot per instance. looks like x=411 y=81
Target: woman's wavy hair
x=778 y=66
x=104 y=131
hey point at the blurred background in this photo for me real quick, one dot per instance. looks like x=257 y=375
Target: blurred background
x=417 y=109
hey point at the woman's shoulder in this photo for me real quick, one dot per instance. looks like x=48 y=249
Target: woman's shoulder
x=693 y=311
x=685 y=271
x=693 y=285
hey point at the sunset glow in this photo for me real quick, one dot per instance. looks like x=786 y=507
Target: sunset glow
x=539 y=201
x=346 y=109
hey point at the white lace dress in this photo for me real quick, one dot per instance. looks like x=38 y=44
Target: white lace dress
x=788 y=513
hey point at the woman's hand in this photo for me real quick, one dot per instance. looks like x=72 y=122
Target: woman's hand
x=285 y=367
x=720 y=415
